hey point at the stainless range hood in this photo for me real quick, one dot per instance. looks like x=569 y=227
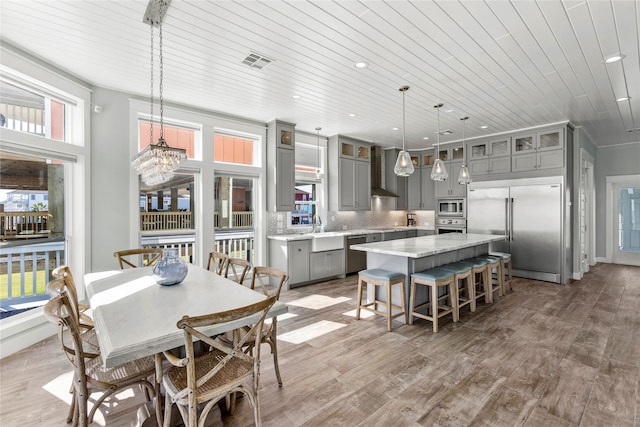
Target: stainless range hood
x=376 y=174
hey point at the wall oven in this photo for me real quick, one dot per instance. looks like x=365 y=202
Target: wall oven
x=451 y=208
x=451 y=225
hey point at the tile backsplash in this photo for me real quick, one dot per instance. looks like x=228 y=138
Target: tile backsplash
x=382 y=214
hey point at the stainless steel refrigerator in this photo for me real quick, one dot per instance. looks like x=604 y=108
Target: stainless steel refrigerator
x=530 y=215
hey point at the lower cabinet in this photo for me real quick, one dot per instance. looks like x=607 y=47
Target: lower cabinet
x=326 y=264
x=298 y=261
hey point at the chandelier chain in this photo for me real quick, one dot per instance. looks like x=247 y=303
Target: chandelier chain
x=151 y=93
x=161 y=85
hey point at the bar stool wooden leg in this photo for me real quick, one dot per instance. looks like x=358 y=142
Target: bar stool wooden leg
x=412 y=300
x=359 y=297
x=434 y=307
x=389 y=307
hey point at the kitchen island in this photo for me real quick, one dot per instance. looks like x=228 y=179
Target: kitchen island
x=408 y=256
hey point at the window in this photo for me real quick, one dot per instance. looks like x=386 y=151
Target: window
x=233 y=203
x=176 y=136
x=233 y=149
x=34 y=229
x=305 y=204
x=24 y=109
x=167 y=206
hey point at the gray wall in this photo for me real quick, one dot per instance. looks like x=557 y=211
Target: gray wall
x=611 y=161
x=110 y=175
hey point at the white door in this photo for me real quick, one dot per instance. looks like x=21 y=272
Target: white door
x=626 y=223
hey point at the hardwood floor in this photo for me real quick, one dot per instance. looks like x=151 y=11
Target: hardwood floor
x=543 y=355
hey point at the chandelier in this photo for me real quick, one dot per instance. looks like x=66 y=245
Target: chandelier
x=157 y=163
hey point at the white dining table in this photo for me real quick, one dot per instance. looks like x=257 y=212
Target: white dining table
x=134 y=317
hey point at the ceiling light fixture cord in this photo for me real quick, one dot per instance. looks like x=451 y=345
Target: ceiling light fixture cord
x=151 y=92
x=464 y=177
x=439 y=170
x=318 y=177
x=404 y=165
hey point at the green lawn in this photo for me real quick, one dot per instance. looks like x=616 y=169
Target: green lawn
x=41 y=284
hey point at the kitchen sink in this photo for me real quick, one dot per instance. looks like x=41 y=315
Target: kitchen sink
x=327 y=241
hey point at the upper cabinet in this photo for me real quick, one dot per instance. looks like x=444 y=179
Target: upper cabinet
x=421 y=188
x=350 y=182
x=453 y=157
x=489 y=157
x=540 y=150
x=281 y=161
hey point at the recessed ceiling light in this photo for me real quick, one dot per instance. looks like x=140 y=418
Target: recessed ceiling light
x=361 y=64
x=614 y=58
x=624 y=98
x=484 y=127
x=426 y=137
x=296 y=97
x=396 y=128
x=448 y=111
x=352 y=114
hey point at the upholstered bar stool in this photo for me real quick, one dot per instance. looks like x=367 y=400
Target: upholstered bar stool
x=494 y=269
x=465 y=293
x=379 y=277
x=435 y=279
x=506 y=270
x=480 y=279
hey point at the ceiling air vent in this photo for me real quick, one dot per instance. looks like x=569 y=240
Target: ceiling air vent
x=255 y=60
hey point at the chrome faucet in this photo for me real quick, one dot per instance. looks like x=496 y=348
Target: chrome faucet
x=315 y=222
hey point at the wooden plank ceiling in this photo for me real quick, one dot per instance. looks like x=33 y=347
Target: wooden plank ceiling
x=506 y=64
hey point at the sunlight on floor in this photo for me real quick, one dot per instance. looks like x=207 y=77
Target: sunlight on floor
x=60 y=386
x=310 y=332
x=363 y=313
x=316 y=302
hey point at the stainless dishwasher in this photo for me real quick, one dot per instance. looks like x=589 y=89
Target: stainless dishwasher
x=356 y=260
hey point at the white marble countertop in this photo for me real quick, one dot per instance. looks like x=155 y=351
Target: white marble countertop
x=418 y=247
x=354 y=232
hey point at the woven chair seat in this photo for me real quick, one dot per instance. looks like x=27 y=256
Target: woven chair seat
x=95 y=369
x=236 y=372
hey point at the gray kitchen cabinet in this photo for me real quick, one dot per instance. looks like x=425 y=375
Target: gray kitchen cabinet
x=420 y=186
x=422 y=233
x=411 y=233
x=542 y=150
x=292 y=257
x=489 y=166
x=350 y=182
x=394 y=235
x=489 y=157
x=326 y=264
x=450 y=187
x=281 y=166
x=373 y=237
x=453 y=157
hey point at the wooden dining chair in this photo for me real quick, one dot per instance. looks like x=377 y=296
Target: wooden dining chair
x=80 y=310
x=269 y=281
x=237 y=268
x=224 y=370
x=217 y=260
x=90 y=375
x=140 y=257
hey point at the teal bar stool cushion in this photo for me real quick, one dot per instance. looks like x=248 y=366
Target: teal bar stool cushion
x=379 y=274
x=457 y=267
x=501 y=255
x=433 y=274
x=477 y=262
x=490 y=259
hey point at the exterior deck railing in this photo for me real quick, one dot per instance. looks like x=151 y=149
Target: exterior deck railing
x=26 y=269
x=152 y=221
x=23 y=225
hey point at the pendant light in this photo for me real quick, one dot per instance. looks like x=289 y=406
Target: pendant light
x=318 y=175
x=464 y=177
x=404 y=166
x=439 y=171
x=157 y=162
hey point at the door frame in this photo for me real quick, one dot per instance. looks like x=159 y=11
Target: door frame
x=611 y=182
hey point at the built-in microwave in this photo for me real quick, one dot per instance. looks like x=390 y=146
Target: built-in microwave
x=451 y=208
